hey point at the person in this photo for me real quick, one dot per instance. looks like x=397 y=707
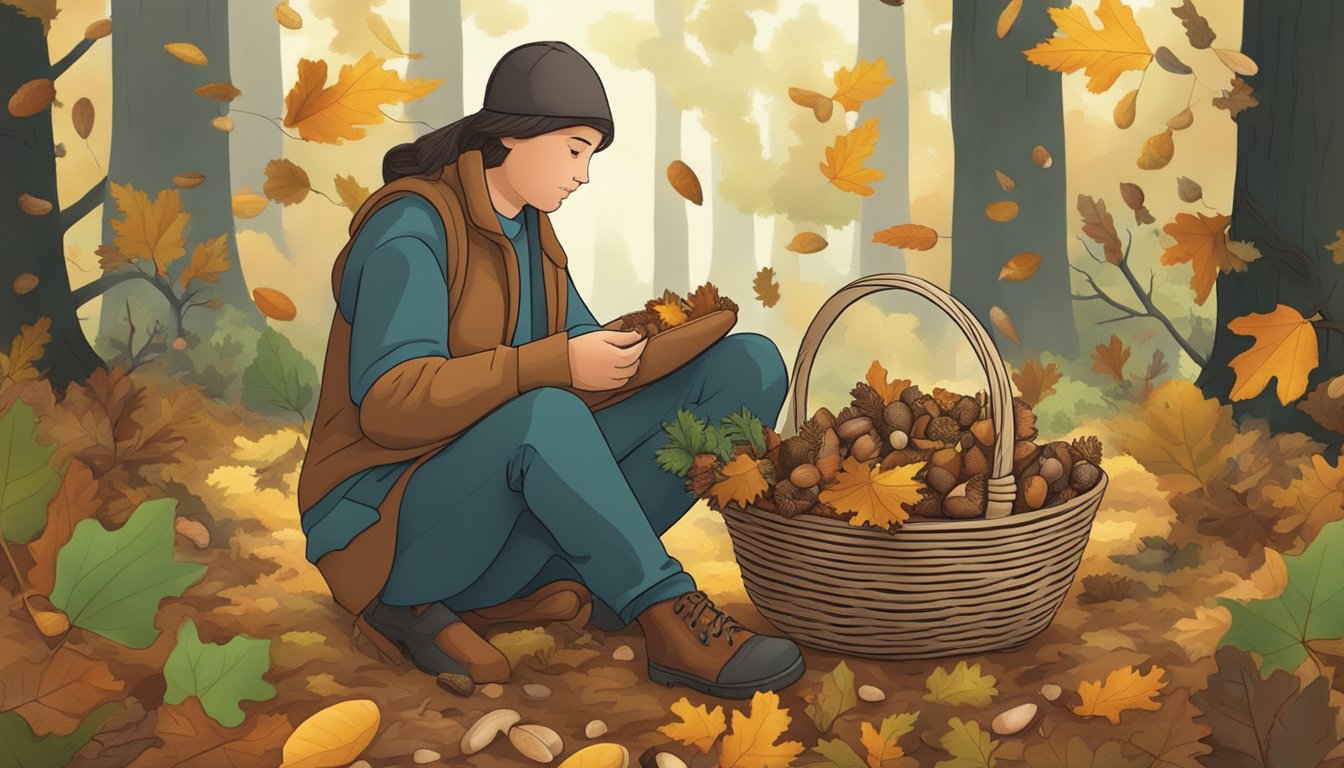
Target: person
x=457 y=478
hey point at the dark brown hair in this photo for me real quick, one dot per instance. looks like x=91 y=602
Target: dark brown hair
x=481 y=130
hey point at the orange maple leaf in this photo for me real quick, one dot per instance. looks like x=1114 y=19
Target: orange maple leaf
x=915 y=237
x=875 y=497
x=751 y=744
x=844 y=160
x=1110 y=358
x=889 y=389
x=1124 y=689
x=150 y=231
x=329 y=113
x=867 y=81
x=1203 y=242
x=699 y=727
x=742 y=482
x=1104 y=53
x=1285 y=347
x=1036 y=382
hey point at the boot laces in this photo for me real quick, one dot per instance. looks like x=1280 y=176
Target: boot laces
x=694 y=606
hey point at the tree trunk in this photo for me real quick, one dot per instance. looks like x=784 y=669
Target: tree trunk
x=1289 y=194
x=671 y=265
x=436 y=32
x=882 y=35
x=256 y=71
x=732 y=263
x=160 y=128
x=34 y=244
x=1002 y=107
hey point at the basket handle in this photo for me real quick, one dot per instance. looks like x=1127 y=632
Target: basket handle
x=1002 y=486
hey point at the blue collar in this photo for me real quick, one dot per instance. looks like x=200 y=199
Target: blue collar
x=512 y=226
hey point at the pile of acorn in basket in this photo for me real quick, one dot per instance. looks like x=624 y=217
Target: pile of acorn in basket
x=949 y=435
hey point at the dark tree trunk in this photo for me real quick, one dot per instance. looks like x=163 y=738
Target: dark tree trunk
x=1289 y=194
x=882 y=35
x=256 y=71
x=1002 y=107
x=160 y=128
x=34 y=244
x=671 y=261
x=436 y=32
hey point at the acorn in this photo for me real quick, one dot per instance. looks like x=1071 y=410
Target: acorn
x=1084 y=476
x=928 y=506
x=944 y=429
x=1034 y=490
x=866 y=447
x=921 y=427
x=898 y=440
x=1024 y=453
x=948 y=459
x=830 y=444
x=1051 y=470
x=940 y=479
x=926 y=404
x=850 y=430
x=966 y=411
x=805 y=475
x=1068 y=494
x=898 y=416
x=903 y=457
x=793 y=452
x=829 y=467
x=969 y=499
x=824 y=417
x=1060 y=451
x=910 y=394
x=772 y=439
x=974 y=461
x=966 y=441
x=983 y=431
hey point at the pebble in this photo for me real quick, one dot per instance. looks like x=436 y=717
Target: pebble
x=492 y=690
x=536 y=691
x=871 y=693
x=360 y=764
x=595 y=729
x=1051 y=691
x=1014 y=720
x=668 y=760
x=624 y=653
x=423 y=756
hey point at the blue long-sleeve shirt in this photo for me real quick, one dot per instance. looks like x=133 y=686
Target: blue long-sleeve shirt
x=394 y=294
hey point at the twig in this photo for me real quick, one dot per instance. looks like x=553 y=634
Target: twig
x=81 y=207
x=59 y=67
x=271 y=120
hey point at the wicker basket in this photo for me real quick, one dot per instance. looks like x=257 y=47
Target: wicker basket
x=932 y=588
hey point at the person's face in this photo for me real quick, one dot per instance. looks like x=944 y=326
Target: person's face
x=548 y=168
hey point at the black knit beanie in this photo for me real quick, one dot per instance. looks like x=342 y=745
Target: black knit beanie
x=548 y=78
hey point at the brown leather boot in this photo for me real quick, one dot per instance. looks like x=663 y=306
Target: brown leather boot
x=434 y=639
x=692 y=643
x=568 y=602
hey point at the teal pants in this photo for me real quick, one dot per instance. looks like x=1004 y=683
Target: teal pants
x=543 y=489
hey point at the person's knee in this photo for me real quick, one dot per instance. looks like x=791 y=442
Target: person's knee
x=757 y=363
x=553 y=412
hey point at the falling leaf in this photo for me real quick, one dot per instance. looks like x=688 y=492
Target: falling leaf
x=751 y=743
x=844 y=159
x=1005 y=181
x=889 y=389
x=32 y=97
x=286 y=183
x=1189 y=190
x=1004 y=323
x=1035 y=382
x=24 y=351
x=76 y=500
x=110 y=258
x=328 y=114
x=1007 y=17
x=881 y=745
x=246 y=206
x=218 y=91
x=970 y=747
x=223 y=123
x=55 y=694
x=333 y=736
x=1021 y=267
x=81 y=116
x=767 y=290
x=25 y=282
x=219 y=675
x=1126 y=109
x=743 y=482
x=684 y=181
x=1237 y=61
x=287 y=17
x=699 y=727
x=803 y=97
x=378 y=26
x=875 y=497
x=1171 y=62
x=34 y=206
x=150 y=231
x=188 y=180
x=1325 y=404
x=1104 y=53
x=1181 y=120
x=915 y=237
x=209 y=260
x=186 y=52
x=1041 y=156
x=836 y=697
x=1240 y=98
x=1134 y=198
x=273 y=303
x=1285 y=347
x=867 y=81
x=1197 y=28
x=1001 y=211
x=963 y=685
x=1202 y=241
x=1110 y=358
x=1157 y=151
x=351 y=192
x=1123 y=689
x=806 y=242
x=823 y=108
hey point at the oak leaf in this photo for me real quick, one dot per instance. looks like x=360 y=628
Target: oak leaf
x=1237 y=100
x=1110 y=358
x=191 y=737
x=329 y=113
x=699 y=727
x=351 y=192
x=970 y=746
x=882 y=745
x=1103 y=53
x=209 y=260
x=378 y=26
x=866 y=81
x=1098 y=225
x=1060 y=749
x=767 y=290
x=1312 y=501
x=963 y=685
x=916 y=237
x=55 y=694
x=24 y=351
x=1199 y=635
x=1197 y=28
x=844 y=159
x=1123 y=689
x=751 y=743
x=150 y=231
x=1036 y=382
x=1202 y=241
x=888 y=388
x=742 y=483
x=875 y=497
x=1285 y=347
x=836 y=697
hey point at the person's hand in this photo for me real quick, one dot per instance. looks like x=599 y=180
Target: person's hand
x=604 y=359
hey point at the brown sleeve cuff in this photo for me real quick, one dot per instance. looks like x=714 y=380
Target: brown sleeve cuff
x=544 y=363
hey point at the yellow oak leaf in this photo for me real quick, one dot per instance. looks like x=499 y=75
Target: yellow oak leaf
x=1180 y=433
x=150 y=231
x=867 y=81
x=844 y=159
x=1202 y=241
x=963 y=685
x=915 y=237
x=751 y=744
x=889 y=389
x=970 y=746
x=351 y=192
x=1314 y=500
x=25 y=350
x=1104 y=54
x=1285 y=347
x=875 y=497
x=328 y=114
x=699 y=727
x=881 y=745
x=1124 y=689
x=208 y=261
x=670 y=312
x=742 y=482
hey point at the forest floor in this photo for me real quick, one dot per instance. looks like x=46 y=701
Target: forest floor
x=257 y=583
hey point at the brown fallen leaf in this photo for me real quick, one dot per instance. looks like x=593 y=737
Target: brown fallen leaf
x=1008 y=17
x=916 y=237
x=1098 y=225
x=192 y=737
x=76 y=499
x=1237 y=100
x=1004 y=323
x=1197 y=28
x=685 y=182
x=55 y=694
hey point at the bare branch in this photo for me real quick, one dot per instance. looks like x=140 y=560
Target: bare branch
x=77 y=210
x=59 y=67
